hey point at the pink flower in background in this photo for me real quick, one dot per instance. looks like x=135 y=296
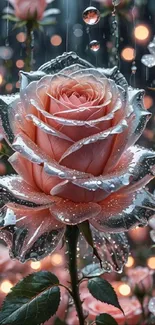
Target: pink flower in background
x=73 y=129
x=131 y=307
x=109 y=3
x=140 y=278
x=29 y=9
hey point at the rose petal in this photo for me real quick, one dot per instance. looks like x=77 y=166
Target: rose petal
x=35 y=235
x=72 y=213
x=47 y=128
x=30 y=151
x=6 y=103
x=122 y=211
x=136 y=124
x=112 y=248
x=97 y=137
x=63 y=61
x=14 y=189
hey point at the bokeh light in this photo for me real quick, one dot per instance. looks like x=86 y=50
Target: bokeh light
x=148 y=101
x=19 y=64
x=56 y=259
x=56 y=40
x=35 y=265
x=151 y=262
x=1 y=79
x=6 y=286
x=9 y=87
x=21 y=37
x=124 y=289
x=130 y=262
x=141 y=32
x=128 y=54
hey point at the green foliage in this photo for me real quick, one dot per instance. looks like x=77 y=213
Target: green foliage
x=103 y=291
x=105 y=319
x=92 y=270
x=58 y=321
x=32 y=301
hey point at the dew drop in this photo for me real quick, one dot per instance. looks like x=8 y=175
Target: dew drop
x=91 y=15
x=133 y=69
x=94 y=45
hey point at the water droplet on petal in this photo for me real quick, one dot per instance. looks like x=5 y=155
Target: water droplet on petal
x=134 y=69
x=94 y=45
x=91 y=15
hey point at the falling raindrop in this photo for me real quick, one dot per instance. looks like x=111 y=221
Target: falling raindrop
x=91 y=15
x=94 y=45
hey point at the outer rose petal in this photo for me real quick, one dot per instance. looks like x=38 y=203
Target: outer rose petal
x=136 y=124
x=35 y=235
x=14 y=189
x=113 y=249
x=122 y=211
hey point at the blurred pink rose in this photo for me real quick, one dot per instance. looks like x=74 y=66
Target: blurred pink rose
x=138 y=234
x=29 y=9
x=140 y=277
x=93 y=307
x=2 y=168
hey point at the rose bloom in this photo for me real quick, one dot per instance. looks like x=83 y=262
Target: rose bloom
x=29 y=9
x=131 y=307
x=73 y=128
x=140 y=278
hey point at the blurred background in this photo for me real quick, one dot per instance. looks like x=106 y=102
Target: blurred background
x=121 y=37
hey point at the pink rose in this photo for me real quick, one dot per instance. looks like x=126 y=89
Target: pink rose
x=73 y=129
x=140 y=278
x=2 y=168
x=131 y=307
x=29 y=9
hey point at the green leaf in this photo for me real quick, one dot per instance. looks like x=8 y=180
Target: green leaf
x=32 y=301
x=92 y=270
x=103 y=291
x=105 y=319
x=58 y=321
x=11 y=18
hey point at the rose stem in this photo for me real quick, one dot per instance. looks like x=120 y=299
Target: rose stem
x=29 y=46
x=72 y=233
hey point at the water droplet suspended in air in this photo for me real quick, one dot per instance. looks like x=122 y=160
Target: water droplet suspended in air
x=94 y=45
x=91 y=15
x=133 y=69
